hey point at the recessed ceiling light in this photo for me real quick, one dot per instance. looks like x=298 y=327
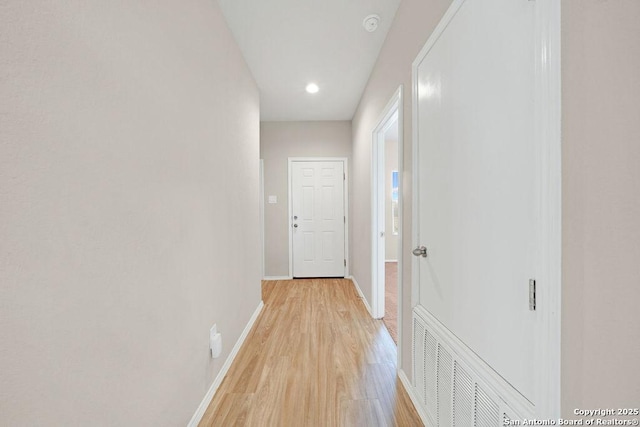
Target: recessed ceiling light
x=312 y=88
x=370 y=23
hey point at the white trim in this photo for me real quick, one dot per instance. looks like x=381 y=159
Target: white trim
x=390 y=260
x=391 y=112
x=547 y=135
x=377 y=207
x=277 y=278
x=411 y=391
x=548 y=138
x=206 y=400
x=415 y=232
x=359 y=291
x=400 y=251
x=262 y=215
x=345 y=162
x=394 y=110
x=347 y=268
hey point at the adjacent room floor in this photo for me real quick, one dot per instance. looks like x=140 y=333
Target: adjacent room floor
x=391 y=299
x=313 y=358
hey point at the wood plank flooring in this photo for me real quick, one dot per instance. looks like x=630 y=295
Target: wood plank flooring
x=391 y=299
x=313 y=358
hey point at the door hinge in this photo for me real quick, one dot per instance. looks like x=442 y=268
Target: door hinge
x=532 y=294
x=345 y=262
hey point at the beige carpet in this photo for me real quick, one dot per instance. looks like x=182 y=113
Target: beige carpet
x=391 y=299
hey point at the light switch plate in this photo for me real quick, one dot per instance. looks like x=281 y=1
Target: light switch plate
x=273 y=199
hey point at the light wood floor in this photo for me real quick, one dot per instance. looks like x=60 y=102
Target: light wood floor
x=391 y=299
x=314 y=358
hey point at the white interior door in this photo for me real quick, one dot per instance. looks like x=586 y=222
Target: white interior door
x=318 y=218
x=477 y=182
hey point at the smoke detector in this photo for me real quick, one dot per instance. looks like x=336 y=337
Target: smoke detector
x=370 y=23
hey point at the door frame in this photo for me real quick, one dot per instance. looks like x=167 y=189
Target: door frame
x=345 y=163
x=547 y=135
x=262 y=271
x=393 y=111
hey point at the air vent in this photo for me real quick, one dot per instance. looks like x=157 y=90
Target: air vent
x=463 y=396
x=453 y=387
x=487 y=412
x=444 y=387
x=419 y=350
x=431 y=363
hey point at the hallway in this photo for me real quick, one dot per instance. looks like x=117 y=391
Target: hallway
x=145 y=195
x=314 y=358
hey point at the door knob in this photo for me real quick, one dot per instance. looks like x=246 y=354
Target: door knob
x=295 y=217
x=420 y=251
x=295 y=225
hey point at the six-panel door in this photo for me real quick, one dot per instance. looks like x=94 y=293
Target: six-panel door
x=318 y=221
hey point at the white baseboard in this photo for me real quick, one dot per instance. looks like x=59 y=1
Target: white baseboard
x=277 y=278
x=413 y=396
x=364 y=300
x=390 y=260
x=197 y=417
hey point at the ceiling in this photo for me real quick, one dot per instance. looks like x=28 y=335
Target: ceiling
x=290 y=43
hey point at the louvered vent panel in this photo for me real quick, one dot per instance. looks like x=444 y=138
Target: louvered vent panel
x=487 y=413
x=431 y=366
x=450 y=384
x=445 y=371
x=419 y=357
x=462 y=397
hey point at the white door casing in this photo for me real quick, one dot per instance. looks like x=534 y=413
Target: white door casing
x=392 y=113
x=486 y=186
x=262 y=271
x=318 y=220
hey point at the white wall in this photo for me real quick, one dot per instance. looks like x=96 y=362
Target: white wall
x=601 y=204
x=412 y=25
x=278 y=142
x=128 y=193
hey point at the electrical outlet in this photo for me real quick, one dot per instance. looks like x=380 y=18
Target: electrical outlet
x=215 y=342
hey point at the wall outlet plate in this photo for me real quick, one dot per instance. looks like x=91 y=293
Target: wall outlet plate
x=215 y=342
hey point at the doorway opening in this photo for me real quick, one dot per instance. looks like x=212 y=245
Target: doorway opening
x=387 y=217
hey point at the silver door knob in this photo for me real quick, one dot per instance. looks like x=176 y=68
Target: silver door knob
x=295 y=225
x=420 y=251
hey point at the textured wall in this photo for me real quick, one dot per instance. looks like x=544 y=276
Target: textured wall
x=413 y=23
x=278 y=142
x=601 y=204
x=128 y=192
